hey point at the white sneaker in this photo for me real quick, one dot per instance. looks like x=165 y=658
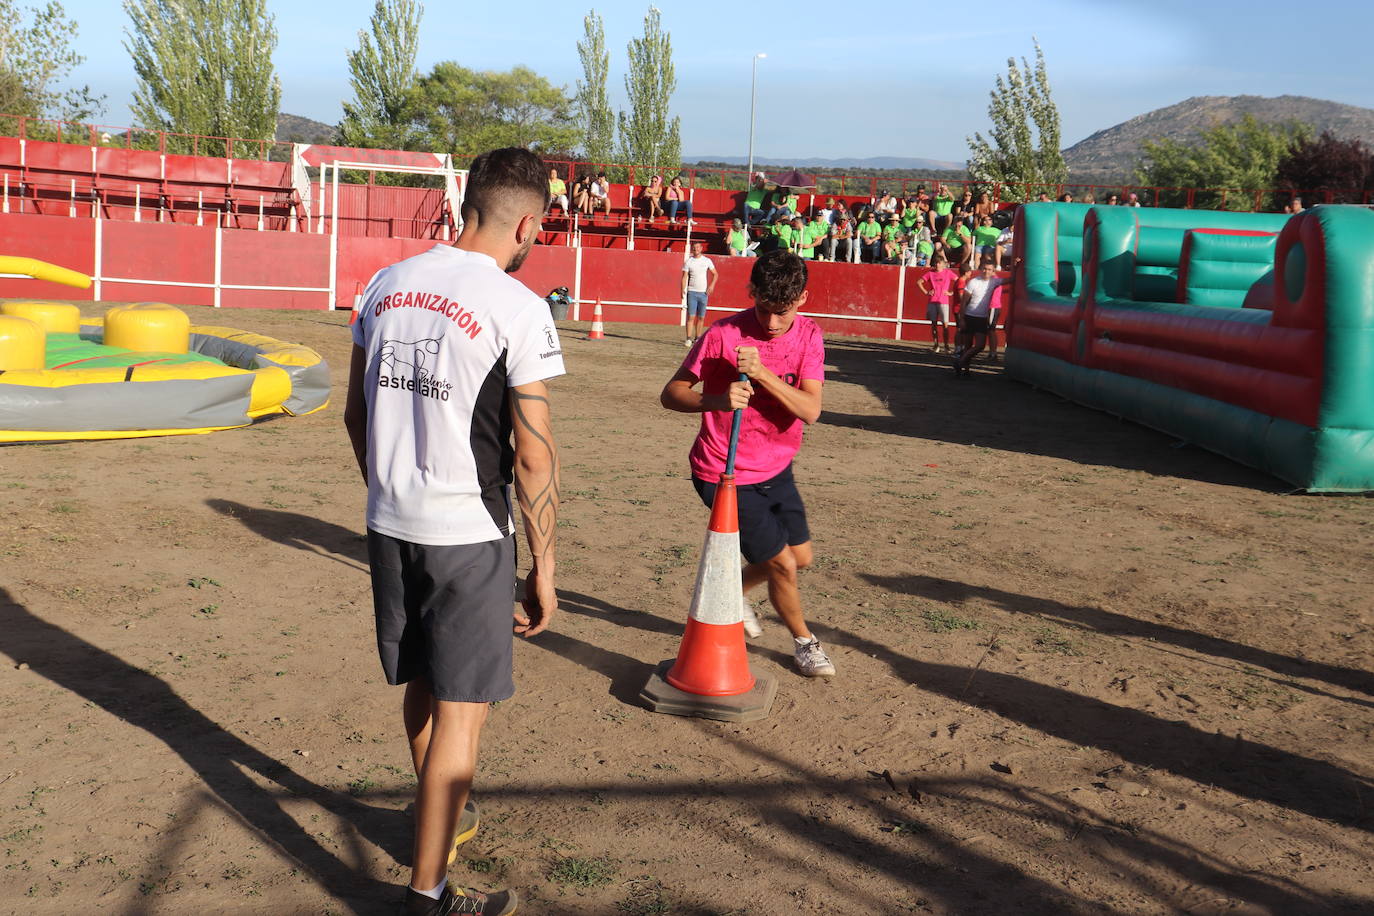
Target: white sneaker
x=752 y=627
x=687 y=342
x=811 y=658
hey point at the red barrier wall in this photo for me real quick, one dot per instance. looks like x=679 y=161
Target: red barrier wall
x=68 y=242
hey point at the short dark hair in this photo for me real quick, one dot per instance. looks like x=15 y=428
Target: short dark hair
x=498 y=179
x=778 y=279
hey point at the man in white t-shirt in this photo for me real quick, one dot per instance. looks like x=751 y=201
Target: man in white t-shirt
x=698 y=280
x=450 y=358
x=974 y=311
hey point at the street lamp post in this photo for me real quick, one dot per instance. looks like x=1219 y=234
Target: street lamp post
x=753 y=97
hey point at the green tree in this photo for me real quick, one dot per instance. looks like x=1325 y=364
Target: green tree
x=454 y=109
x=35 y=56
x=382 y=72
x=1022 y=150
x=647 y=136
x=1239 y=157
x=204 y=67
x=593 y=106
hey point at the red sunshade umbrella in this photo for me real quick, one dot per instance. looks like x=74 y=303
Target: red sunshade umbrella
x=795 y=179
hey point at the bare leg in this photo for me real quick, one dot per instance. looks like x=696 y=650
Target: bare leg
x=781 y=575
x=450 y=759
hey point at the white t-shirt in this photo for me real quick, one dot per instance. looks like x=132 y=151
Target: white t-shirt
x=980 y=296
x=447 y=333
x=695 y=268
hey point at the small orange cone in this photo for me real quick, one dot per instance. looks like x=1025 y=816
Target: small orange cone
x=357 y=302
x=598 y=331
x=711 y=677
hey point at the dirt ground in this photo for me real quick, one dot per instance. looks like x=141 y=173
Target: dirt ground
x=1082 y=669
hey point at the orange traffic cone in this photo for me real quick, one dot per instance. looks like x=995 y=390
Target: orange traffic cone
x=357 y=302
x=598 y=332
x=711 y=677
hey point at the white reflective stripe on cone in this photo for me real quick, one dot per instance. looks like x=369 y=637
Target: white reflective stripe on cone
x=719 y=597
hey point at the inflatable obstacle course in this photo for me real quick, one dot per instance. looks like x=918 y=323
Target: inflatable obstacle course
x=143 y=370
x=1251 y=335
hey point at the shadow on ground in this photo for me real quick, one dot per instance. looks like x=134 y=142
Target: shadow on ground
x=221 y=759
x=924 y=400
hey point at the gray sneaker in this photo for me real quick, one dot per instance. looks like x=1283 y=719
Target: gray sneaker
x=753 y=628
x=811 y=658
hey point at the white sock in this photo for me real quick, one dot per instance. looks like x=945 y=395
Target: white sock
x=436 y=892
x=803 y=642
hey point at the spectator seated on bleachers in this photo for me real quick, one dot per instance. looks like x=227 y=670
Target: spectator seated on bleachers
x=985 y=236
x=755 y=200
x=582 y=194
x=841 y=236
x=817 y=231
x=870 y=234
x=599 y=194
x=782 y=202
x=677 y=198
x=652 y=195
x=558 y=191
x=737 y=241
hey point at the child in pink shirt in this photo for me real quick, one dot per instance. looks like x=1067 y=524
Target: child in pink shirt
x=938 y=284
x=783 y=355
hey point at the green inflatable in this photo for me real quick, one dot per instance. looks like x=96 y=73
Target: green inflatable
x=1248 y=334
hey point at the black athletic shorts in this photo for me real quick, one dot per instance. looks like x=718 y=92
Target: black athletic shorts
x=975 y=324
x=444 y=613
x=771 y=515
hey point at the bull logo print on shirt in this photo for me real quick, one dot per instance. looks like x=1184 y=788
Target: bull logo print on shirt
x=412 y=353
x=421 y=358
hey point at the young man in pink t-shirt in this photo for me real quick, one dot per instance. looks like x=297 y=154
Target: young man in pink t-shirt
x=783 y=356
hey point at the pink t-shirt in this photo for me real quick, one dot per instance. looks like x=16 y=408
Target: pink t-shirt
x=770 y=435
x=941 y=282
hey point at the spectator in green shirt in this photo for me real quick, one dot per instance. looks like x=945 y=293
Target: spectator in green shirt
x=558 y=191
x=818 y=230
x=892 y=229
x=985 y=238
x=958 y=241
x=782 y=232
x=754 y=199
x=737 y=240
x=944 y=204
x=802 y=242
x=783 y=202
x=870 y=238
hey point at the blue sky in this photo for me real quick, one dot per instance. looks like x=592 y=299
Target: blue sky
x=875 y=81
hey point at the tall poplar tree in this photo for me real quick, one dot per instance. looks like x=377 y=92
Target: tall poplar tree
x=382 y=72
x=204 y=67
x=1023 y=145
x=648 y=137
x=593 y=106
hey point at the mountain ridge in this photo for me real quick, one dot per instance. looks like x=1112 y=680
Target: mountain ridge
x=1114 y=151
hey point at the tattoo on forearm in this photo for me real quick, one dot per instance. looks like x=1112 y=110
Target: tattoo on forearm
x=538 y=498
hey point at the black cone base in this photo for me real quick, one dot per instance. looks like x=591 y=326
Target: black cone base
x=660 y=696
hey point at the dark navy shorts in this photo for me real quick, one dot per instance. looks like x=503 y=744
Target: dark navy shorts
x=771 y=515
x=445 y=614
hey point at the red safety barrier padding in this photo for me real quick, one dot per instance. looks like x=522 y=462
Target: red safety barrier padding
x=68 y=243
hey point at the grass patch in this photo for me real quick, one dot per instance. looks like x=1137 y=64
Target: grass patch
x=1054 y=641
x=940 y=621
x=361 y=786
x=583 y=871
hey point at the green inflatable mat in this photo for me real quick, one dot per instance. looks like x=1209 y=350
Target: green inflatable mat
x=72 y=351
